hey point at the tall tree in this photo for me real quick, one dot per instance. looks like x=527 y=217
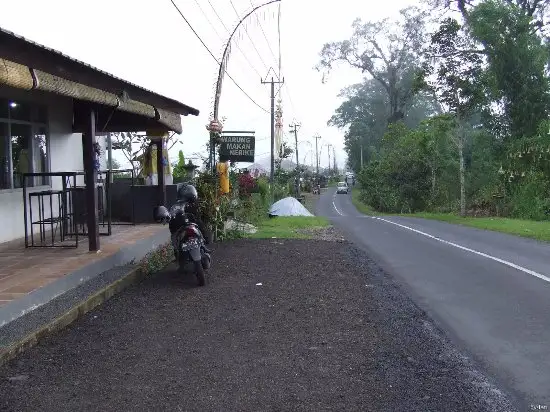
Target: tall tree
x=517 y=60
x=386 y=50
x=455 y=79
x=364 y=115
x=538 y=10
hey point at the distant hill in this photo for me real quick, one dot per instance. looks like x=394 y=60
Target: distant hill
x=286 y=164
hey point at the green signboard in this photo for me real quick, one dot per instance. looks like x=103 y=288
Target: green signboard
x=237 y=148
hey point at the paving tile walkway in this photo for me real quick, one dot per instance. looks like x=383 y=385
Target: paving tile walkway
x=25 y=270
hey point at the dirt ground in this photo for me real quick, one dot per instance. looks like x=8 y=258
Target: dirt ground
x=302 y=325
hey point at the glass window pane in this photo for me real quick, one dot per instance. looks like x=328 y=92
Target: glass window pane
x=5 y=175
x=40 y=155
x=20 y=153
x=4 y=108
x=19 y=110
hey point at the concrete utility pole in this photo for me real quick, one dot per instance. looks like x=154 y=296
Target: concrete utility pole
x=317 y=137
x=273 y=83
x=294 y=129
x=215 y=127
x=328 y=152
x=334 y=159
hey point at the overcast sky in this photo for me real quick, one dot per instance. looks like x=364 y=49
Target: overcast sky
x=148 y=43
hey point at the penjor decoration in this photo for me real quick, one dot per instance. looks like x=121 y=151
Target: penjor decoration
x=278 y=128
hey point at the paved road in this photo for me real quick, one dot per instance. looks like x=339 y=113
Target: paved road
x=281 y=326
x=489 y=291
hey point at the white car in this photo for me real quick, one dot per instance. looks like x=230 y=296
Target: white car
x=342 y=187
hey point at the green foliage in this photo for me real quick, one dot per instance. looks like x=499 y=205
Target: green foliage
x=213 y=208
x=263 y=188
x=387 y=51
x=157 y=259
x=178 y=173
x=283 y=227
x=529 y=199
x=517 y=60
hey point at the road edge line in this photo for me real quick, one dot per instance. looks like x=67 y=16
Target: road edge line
x=467 y=249
x=76 y=312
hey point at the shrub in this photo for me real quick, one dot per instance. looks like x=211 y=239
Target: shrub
x=157 y=259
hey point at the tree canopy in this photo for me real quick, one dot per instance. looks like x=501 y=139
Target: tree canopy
x=451 y=116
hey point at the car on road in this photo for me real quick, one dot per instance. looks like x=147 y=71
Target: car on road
x=342 y=187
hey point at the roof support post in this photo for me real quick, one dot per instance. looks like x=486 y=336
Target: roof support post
x=90 y=177
x=160 y=172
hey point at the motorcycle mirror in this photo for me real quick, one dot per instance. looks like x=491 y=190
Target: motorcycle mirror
x=161 y=214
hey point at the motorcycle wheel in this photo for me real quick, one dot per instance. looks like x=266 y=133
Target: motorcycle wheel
x=181 y=263
x=206 y=261
x=199 y=272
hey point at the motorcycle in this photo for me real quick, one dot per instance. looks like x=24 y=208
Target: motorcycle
x=187 y=238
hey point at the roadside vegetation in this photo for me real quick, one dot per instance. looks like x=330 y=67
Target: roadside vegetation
x=539 y=230
x=288 y=227
x=247 y=205
x=452 y=122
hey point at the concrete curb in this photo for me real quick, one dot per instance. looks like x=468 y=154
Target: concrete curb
x=133 y=276
x=126 y=254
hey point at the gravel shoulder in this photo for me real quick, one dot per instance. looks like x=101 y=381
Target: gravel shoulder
x=282 y=325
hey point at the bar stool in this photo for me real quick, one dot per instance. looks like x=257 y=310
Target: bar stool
x=43 y=221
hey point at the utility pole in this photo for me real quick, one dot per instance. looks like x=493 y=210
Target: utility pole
x=328 y=152
x=334 y=160
x=294 y=129
x=273 y=83
x=317 y=137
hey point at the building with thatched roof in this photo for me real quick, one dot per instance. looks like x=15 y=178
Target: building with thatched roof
x=51 y=107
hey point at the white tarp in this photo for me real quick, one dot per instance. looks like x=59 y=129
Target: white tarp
x=288 y=206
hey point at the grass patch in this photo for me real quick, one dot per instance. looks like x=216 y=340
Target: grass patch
x=358 y=203
x=285 y=227
x=539 y=230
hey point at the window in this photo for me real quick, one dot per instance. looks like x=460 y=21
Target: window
x=5 y=162
x=40 y=154
x=23 y=143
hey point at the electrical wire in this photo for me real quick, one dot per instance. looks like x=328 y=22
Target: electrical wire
x=279 y=36
x=207 y=19
x=216 y=60
x=265 y=36
x=236 y=44
x=250 y=38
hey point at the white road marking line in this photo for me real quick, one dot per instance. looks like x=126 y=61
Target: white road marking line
x=476 y=252
x=334 y=204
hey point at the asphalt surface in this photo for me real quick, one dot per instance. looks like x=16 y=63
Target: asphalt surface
x=489 y=291
x=281 y=326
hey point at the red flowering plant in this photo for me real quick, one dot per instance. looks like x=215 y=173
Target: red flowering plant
x=246 y=184
x=157 y=259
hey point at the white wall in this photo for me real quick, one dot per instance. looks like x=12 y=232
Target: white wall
x=65 y=146
x=65 y=153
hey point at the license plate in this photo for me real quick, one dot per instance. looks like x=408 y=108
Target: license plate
x=190 y=244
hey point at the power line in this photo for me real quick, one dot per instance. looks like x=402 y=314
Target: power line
x=236 y=44
x=279 y=35
x=214 y=57
x=265 y=37
x=217 y=15
x=250 y=38
x=285 y=85
x=208 y=20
